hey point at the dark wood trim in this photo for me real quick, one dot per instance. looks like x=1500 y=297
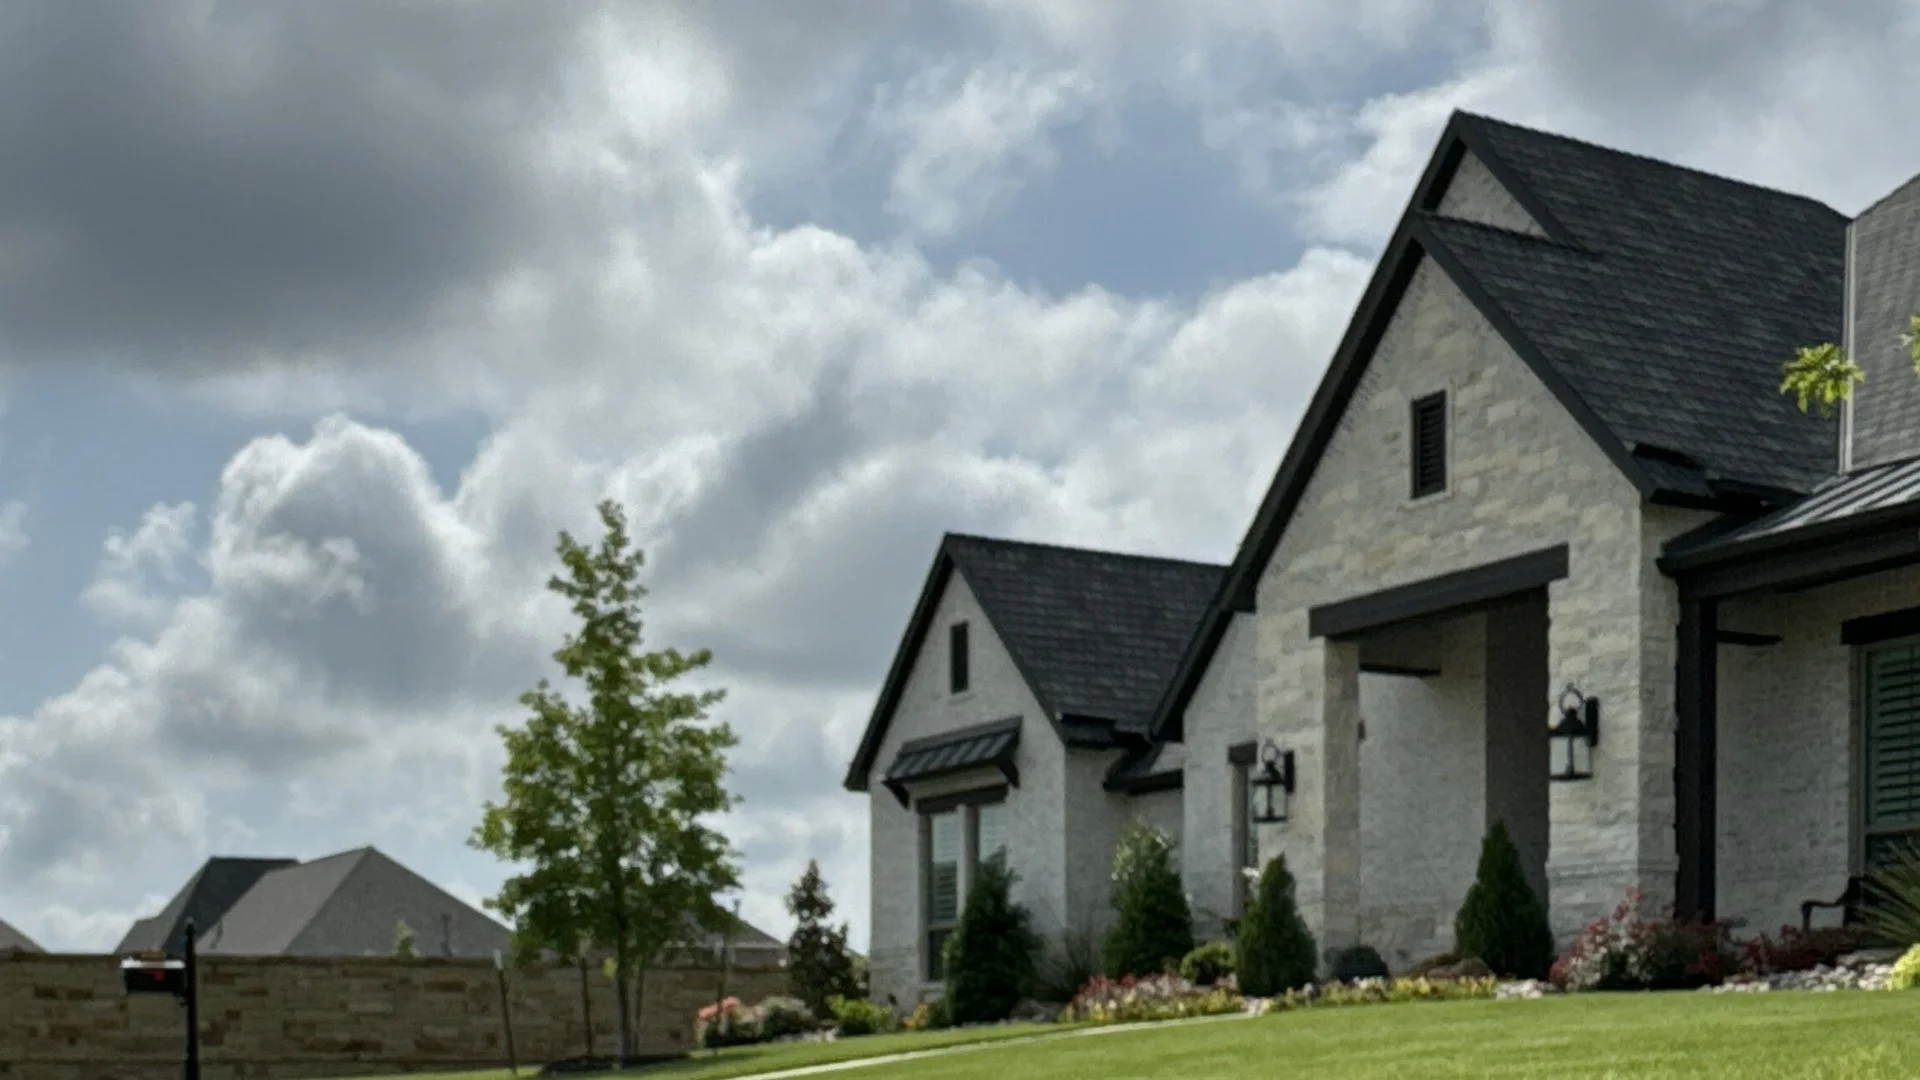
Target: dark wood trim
x=1804 y=567
x=1245 y=753
x=1441 y=595
x=1741 y=637
x=940 y=804
x=1886 y=626
x=1696 y=758
x=1400 y=670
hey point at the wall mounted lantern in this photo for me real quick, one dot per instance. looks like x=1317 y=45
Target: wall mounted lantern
x=1573 y=736
x=1273 y=785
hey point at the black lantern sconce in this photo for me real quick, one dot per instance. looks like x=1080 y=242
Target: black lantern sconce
x=1274 y=785
x=1574 y=735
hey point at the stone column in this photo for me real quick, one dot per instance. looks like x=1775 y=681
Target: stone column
x=1313 y=709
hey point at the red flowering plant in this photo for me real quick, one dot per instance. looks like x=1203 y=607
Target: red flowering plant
x=725 y=1023
x=1794 y=949
x=1627 y=950
x=1154 y=997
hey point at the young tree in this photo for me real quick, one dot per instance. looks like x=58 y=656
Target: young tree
x=403 y=947
x=1502 y=922
x=989 y=957
x=1154 y=928
x=608 y=802
x=818 y=965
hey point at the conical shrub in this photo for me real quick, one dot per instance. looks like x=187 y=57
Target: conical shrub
x=1503 y=922
x=1275 y=950
x=989 y=957
x=1153 y=930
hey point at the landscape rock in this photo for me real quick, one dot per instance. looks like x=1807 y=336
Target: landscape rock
x=1524 y=989
x=1861 y=975
x=1470 y=968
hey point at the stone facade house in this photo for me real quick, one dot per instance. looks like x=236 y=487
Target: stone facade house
x=1547 y=464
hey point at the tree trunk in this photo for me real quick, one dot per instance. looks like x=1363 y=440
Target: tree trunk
x=620 y=993
x=639 y=1004
x=586 y=1006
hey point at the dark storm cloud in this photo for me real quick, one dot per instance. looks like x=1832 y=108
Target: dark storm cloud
x=200 y=182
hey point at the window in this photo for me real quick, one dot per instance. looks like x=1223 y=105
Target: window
x=1429 y=445
x=990 y=834
x=943 y=885
x=1246 y=840
x=957 y=657
x=1890 y=773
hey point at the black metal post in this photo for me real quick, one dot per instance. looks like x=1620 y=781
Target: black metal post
x=192 y=995
x=506 y=1015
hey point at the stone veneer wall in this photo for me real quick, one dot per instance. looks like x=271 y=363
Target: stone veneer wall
x=67 y=1017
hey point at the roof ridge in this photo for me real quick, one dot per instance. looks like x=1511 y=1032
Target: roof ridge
x=1539 y=133
x=1070 y=549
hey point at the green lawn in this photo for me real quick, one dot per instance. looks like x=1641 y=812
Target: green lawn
x=1844 y=1036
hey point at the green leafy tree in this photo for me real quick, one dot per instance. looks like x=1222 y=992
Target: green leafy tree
x=1154 y=928
x=1502 y=921
x=1824 y=375
x=819 y=965
x=989 y=957
x=403 y=947
x=608 y=802
x=1275 y=948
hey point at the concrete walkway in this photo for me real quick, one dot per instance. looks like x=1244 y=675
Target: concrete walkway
x=945 y=1051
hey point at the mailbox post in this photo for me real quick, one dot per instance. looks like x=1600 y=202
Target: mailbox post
x=164 y=975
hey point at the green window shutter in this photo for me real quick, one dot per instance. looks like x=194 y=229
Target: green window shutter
x=1892 y=686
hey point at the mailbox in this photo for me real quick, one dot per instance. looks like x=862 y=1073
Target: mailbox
x=154 y=976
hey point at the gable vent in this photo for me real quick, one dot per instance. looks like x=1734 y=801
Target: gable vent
x=1429 y=444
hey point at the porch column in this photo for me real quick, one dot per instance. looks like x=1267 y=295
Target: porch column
x=1696 y=758
x=1315 y=712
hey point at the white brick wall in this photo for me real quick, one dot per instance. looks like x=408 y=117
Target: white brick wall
x=1474 y=195
x=1037 y=833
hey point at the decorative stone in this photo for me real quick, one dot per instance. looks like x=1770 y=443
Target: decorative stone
x=1470 y=968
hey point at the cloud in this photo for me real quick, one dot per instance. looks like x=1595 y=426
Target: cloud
x=13 y=531
x=139 y=570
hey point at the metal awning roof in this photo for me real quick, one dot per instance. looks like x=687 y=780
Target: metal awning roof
x=933 y=756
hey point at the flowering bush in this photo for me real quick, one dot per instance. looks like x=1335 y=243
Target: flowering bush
x=1626 y=950
x=725 y=1023
x=1906 y=971
x=1800 y=950
x=1132 y=1000
x=1386 y=991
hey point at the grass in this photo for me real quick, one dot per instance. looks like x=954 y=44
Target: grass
x=1847 y=1035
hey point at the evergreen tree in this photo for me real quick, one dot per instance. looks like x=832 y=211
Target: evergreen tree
x=819 y=965
x=1155 y=928
x=1275 y=948
x=989 y=957
x=1502 y=922
x=403 y=947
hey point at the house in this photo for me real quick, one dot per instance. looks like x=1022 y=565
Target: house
x=349 y=904
x=1546 y=479
x=12 y=940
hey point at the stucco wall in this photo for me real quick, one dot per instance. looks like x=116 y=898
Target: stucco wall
x=1522 y=476
x=1037 y=833
x=1789 y=749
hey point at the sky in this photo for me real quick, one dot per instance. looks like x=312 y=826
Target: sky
x=319 y=321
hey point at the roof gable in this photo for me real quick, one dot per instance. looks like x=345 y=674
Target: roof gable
x=207 y=896
x=1643 y=302
x=11 y=939
x=1094 y=634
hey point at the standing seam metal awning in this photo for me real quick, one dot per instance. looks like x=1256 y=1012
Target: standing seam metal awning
x=956 y=751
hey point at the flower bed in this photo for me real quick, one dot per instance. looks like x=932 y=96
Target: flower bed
x=1383 y=992
x=1160 y=997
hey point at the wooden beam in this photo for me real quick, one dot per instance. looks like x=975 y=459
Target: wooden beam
x=1696 y=759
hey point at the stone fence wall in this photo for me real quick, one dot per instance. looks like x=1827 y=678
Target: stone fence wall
x=68 y=1018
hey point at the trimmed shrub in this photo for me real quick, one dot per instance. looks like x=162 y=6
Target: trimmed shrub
x=1431 y=964
x=1906 y=971
x=1274 y=951
x=929 y=1016
x=1132 y=1000
x=1069 y=965
x=858 y=1016
x=1155 y=928
x=1356 y=962
x=1207 y=964
x=784 y=1017
x=1502 y=921
x=989 y=956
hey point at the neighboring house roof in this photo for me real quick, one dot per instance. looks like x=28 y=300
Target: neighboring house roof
x=11 y=940
x=205 y=897
x=1658 y=310
x=1095 y=634
x=992 y=744
x=349 y=905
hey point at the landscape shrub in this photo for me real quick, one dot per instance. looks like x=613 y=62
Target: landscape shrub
x=1801 y=950
x=1502 y=920
x=1274 y=950
x=1131 y=1000
x=1067 y=966
x=1154 y=927
x=1207 y=964
x=1427 y=966
x=1387 y=991
x=1892 y=900
x=1356 y=962
x=858 y=1016
x=989 y=956
x=726 y=1023
x=1906 y=970
x=1626 y=950
x=784 y=1017
x=929 y=1016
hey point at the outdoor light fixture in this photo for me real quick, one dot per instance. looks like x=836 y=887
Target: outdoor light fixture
x=1274 y=783
x=1574 y=735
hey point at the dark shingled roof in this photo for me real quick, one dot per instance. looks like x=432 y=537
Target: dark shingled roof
x=1672 y=303
x=953 y=751
x=1835 y=505
x=11 y=939
x=206 y=896
x=1097 y=633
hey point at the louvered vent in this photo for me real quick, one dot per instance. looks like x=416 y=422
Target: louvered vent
x=1430 y=445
